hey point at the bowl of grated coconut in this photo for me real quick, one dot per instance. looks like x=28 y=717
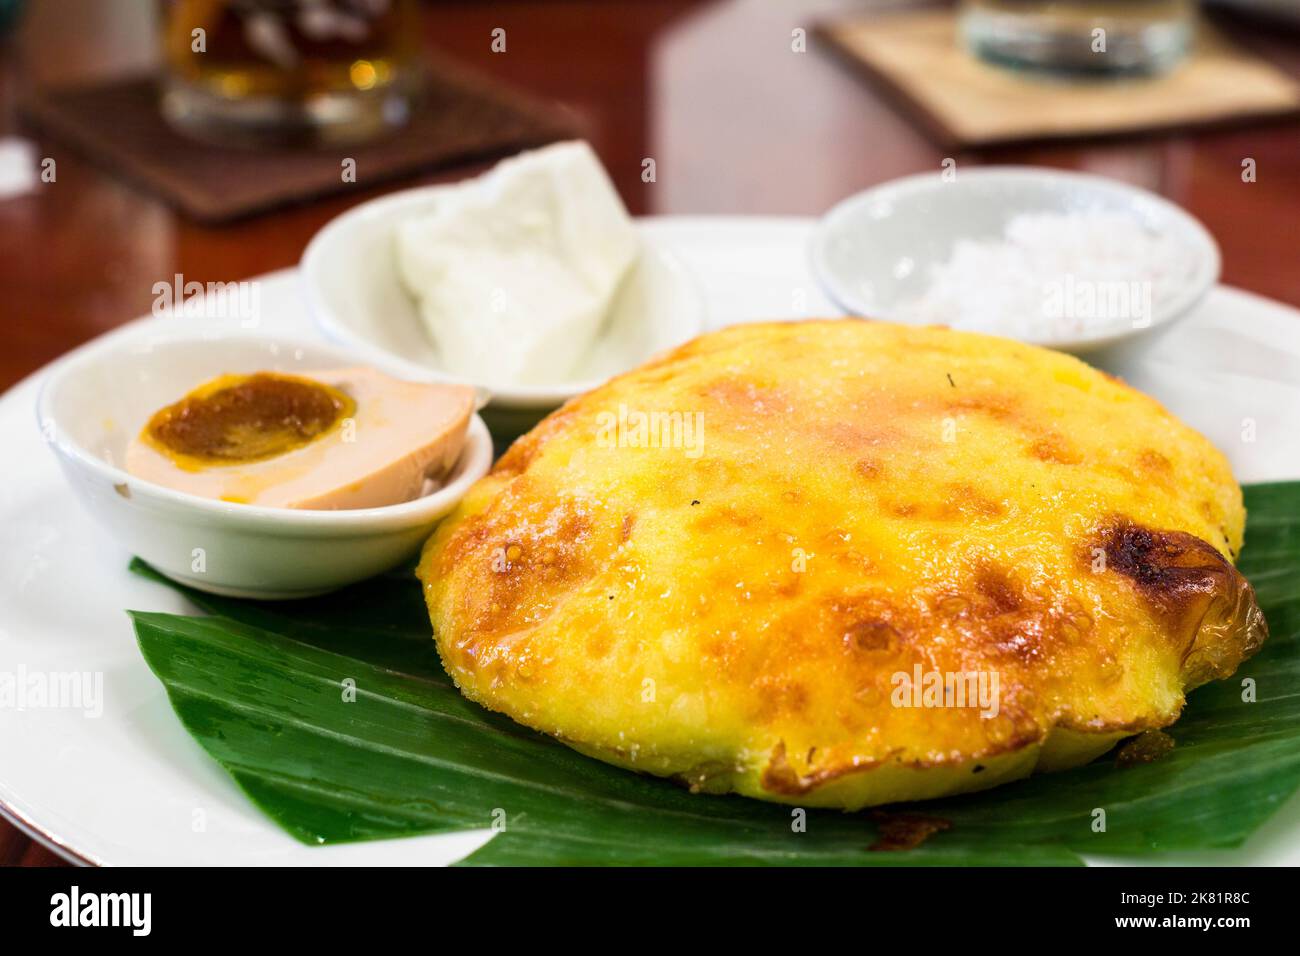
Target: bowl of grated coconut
x=1065 y=260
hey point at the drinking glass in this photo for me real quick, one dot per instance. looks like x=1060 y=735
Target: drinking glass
x=274 y=71
x=1102 y=37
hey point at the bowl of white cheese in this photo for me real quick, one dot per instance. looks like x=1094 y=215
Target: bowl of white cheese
x=530 y=282
x=1061 y=259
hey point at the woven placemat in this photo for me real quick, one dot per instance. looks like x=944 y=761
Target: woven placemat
x=460 y=117
x=963 y=101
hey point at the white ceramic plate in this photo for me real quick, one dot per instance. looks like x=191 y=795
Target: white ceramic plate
x=131 y=787
x=876 y=250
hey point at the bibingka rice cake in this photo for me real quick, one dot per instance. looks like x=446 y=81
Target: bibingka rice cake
x=845 y=563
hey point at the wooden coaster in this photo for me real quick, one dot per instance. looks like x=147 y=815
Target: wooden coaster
x=461 y=117
x=964 y=101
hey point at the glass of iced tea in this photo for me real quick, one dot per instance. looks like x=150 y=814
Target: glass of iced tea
x=1099 y=37
x=257 y=72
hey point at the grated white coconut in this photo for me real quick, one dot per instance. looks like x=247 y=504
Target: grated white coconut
x=1054 y=276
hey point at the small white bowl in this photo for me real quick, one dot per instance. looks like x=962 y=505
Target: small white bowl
x=357 y=299
x=94 y=401
x=875 y=250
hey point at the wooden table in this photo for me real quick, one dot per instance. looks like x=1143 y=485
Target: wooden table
x=735 y=121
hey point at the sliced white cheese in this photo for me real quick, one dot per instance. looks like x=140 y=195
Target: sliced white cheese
x=515 y=271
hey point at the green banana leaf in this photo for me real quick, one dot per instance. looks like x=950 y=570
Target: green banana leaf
x=335 y=716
